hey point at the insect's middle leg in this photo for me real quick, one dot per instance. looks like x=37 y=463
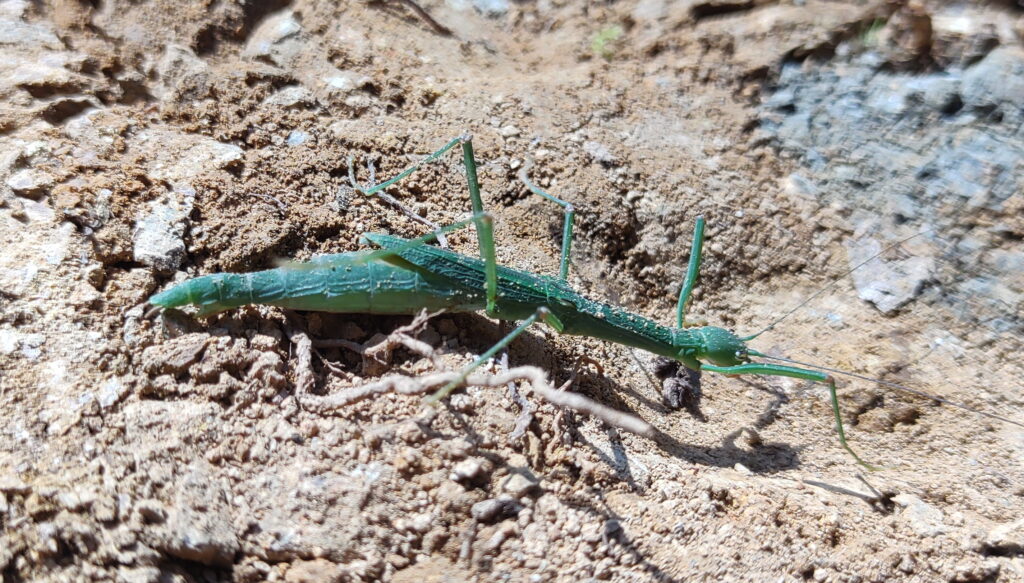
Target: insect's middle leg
x=692 y=270
x=567 y=225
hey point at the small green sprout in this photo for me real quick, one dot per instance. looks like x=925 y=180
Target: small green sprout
x=603 y=43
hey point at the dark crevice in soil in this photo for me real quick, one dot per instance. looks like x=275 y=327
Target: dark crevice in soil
x=709 y=9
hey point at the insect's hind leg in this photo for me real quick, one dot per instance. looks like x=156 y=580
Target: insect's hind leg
x=797 y=373
x=540 y=314
x=567 y=225
x=485 y=232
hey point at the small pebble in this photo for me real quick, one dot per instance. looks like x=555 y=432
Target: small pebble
x=30 y=183
x=518 y=485
x=468 y=470
x=495 y=509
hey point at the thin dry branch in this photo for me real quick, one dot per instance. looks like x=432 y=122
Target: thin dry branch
x=377 y=352
x=304 y=378
x=380 y=353
x=526 y=407
x=405 y=385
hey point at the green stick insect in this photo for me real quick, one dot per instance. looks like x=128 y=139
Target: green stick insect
x=406 y=276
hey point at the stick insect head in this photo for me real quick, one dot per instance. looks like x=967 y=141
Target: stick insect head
x=720 y=346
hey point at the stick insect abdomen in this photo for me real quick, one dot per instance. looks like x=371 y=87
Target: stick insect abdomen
x=519 y=293
x=343 y=283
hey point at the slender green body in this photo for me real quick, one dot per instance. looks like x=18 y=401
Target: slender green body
x=426 y=277
x=408 y=276
x=521 y=293
x=346 y=283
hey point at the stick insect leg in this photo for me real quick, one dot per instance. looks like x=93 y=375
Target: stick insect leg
x=797 y=373
x=373 y=189
x=567 y=225
x=692 y=270
x=540 y=314
x=484 y=227
x=378 y=189
x=485 y=233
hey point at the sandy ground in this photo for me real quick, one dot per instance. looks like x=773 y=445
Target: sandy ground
x=145 y=142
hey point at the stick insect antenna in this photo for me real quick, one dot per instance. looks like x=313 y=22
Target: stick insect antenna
x=896 y=386
x=833 y=283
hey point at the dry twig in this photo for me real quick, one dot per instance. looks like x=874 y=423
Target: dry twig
x=304 y=379
x=380 y=352
x=377 y=351
x=405 y=385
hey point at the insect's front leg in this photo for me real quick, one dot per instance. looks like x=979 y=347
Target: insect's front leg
x=484 y=227
x=377 y=189
x=797 y=373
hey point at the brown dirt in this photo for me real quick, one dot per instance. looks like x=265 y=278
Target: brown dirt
x=142 y=448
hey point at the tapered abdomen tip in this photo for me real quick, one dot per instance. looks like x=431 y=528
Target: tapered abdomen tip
x=171 y=298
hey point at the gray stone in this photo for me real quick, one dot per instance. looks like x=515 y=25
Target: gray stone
x=291 y=97
x=158 y=240
x=600 y=153
x=179 y=71
x=198 y=525
x=11 y=484
x=519 y=485
x=78 y=499
x=19 y=33
x=938 y=91
x=650 y=11
x=30 y=183
x=996 y=80
x=297 y=138
x=175 y=356
x=468 y=470
x=10 y=340
x=151 y=511
x=906 y=148
x=923 y=518
x=339 y=82
x=495 y=509
x=1007 y=539
x=140 y=574
x=111 y=392
x=491 y=7
x=176 y=158
x=279 y=39
x=887 y=284
x=51 y=71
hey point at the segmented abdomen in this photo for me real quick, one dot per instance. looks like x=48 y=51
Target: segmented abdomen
x=337 y=283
